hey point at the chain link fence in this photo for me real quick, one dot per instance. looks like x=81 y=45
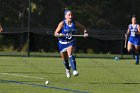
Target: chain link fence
x=100 y=43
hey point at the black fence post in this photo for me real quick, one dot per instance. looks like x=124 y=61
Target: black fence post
x=122 y=47
x=29 y=15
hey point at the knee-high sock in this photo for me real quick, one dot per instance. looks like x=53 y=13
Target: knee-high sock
x=66 y=64
x=72 y=62
x=137 y=58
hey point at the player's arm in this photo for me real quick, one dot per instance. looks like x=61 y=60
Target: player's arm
x=58 y=29
x=1 y=28
x=83 y=28
x=138 y=33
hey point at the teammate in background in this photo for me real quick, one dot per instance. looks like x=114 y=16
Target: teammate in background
x=134 y=38
x=66 y=44
x=1 y=28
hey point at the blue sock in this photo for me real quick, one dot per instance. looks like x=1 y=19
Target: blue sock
x=137 y=58
x=72 y=62
x=66 y=64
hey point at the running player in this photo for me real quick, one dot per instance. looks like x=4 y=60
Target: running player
x=66 y=44
x=134 y=38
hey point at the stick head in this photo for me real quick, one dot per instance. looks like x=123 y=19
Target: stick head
x=85 y=34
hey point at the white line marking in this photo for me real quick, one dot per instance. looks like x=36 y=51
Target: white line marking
x=21 y=75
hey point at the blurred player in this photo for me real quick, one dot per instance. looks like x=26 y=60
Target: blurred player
x=134 y=38
x=66 y=44
x=1 y=28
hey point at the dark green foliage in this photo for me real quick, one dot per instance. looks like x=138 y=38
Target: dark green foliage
x=95 y=14
x=103 y=14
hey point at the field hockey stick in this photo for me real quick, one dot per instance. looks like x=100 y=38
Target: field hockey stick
x=125 y=43
x=68 y=35
x=63 y=35
x=75 y=35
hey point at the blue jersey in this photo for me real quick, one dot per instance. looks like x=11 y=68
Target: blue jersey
x=134 y=38
x=133 y=30
x=67 y=41
x=68 y=30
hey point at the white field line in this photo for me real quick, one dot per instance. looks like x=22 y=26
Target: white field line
x=21 y=75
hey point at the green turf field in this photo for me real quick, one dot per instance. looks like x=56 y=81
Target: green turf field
x=28 y=75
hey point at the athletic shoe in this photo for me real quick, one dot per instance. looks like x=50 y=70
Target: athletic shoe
x=68 y=73
x=75 y=73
